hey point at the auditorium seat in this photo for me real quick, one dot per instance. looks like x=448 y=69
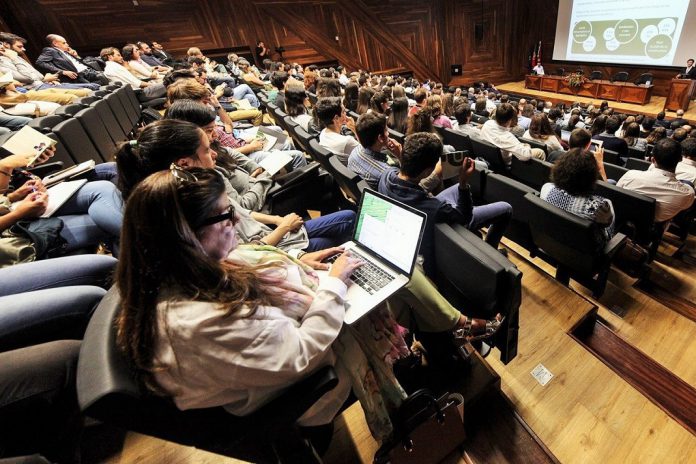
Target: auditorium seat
x=477 y=184
x=473 y=275
x=535 y=144
x=74 y=138
x=45 y=123
x=458 y=140
x=68 y=111
x=534 y=173
x=347 y=180
x=577 y=258
x=560 y=71
x=478 y=119
x=502 y=188
x=108 y=391
x=613 y=171
x=636 y=153
x=490 y=153
x=319 y=153
x=612 y=157
x=635 y=215
x=97 y=132
x=302 y=139
x=62 y=153
x=108 y=117
x=132 y=109
x=398 y=136
x=119 y=112
x=636 y=163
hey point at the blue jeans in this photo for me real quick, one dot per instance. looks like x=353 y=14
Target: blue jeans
x=330 y=230
x=45 y=315
x=13 y=122
x=298 y=159
x=64 y=85
x=94 y=213
x=57 y=272
x=494 y=215
x=244 y=91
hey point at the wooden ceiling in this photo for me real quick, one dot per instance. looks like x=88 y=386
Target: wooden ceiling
x=425 y=37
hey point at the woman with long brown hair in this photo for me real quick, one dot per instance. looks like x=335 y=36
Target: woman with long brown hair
x=541 y=131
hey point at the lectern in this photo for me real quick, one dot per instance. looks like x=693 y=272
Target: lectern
x=680 y=93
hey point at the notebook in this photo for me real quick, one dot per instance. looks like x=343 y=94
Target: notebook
x=387 y=236
x=28 y=141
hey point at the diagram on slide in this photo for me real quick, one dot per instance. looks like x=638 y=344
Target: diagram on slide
x=623 y=31
x=652 y=38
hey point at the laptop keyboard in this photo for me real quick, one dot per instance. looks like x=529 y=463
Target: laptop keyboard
x=369 y=277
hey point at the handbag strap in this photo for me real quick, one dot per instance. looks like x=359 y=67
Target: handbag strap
x=420 y=405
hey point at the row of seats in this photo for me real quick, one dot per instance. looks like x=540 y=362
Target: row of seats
x=92 y=128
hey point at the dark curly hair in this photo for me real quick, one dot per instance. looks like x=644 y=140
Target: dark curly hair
x=576 y=172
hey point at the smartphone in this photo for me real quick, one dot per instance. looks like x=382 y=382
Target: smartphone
x=455 y=158
x=596 y=145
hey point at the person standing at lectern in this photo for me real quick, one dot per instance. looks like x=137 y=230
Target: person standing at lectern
x=538 y=69
x=689 y=71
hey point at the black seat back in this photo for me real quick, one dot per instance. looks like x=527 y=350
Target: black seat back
x=398 y=136
x=458 y=140
x=302 y=138
x=613 y=171
x=320 y=154
x=635 y=212
x=490 y=153
x=612 y=157
x=45 y=123
x=502 y=188
x=534 y=173
x=74 y=138
x=62 y=154
x=639 y=164
x=478 y=119
x=109 y=120
x=346 y=179
x=131 y=110
x=552 y=230
x=94 y=126
x=596 y=76
x=535 y=144
x=68 y=111
x=634 y=152
x=471 y=274
x=117 y=108
x=621 y=76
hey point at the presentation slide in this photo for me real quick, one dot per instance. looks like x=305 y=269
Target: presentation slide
x=632 y=32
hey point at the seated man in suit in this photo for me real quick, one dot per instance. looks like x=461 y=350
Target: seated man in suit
x=147 y=56
x=420 y=156
x=13 y=60
x=56 y=59
x=660 y=181
x=162 y=55
x=689 y=71
x=611 y=141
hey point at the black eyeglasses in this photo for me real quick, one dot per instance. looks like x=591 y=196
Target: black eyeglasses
x=229 y=215
x=182 y=175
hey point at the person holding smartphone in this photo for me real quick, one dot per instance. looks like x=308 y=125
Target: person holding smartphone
x=420 y=156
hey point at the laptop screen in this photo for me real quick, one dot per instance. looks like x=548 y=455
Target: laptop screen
x=390 y=229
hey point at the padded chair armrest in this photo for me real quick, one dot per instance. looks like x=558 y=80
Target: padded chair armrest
x=615 y=244
x=300 y=396
x=298 y=175
x=45 y=169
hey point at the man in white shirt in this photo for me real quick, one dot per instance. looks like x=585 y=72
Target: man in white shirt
x=498 y=133
x=58 y=59
x=116 y=71
x=538 y=69
x=660 y=181
x=332 y=115
x=686 y=169
x=462 y=113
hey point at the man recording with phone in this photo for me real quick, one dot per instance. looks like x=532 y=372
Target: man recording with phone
x=420 y=155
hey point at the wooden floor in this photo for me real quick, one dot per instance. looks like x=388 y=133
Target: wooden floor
x=654 y=106
x=587 y=413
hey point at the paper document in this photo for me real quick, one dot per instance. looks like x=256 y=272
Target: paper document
x=28 y=141
x=275 y=162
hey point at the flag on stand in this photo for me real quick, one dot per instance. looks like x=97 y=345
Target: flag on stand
x=539 y=53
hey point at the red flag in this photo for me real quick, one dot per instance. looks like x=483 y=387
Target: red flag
x=534 y=58
x=539 y=53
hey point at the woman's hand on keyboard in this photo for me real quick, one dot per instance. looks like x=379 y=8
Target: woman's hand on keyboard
x=344 y=266
x=315 y=258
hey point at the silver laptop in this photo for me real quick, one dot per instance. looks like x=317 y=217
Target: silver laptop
x=387 y=236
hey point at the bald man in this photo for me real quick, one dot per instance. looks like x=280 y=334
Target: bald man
x=59 y=58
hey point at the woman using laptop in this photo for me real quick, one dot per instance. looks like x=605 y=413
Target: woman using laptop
x=223 y=324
